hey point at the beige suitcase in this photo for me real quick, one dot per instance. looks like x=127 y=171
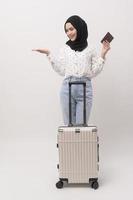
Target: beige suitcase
x=78 y=148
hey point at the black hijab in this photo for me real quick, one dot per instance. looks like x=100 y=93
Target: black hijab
x=82 y=33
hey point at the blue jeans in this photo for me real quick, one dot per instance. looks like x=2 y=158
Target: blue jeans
x=76 y=100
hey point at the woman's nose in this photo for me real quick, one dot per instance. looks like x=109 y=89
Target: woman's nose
x=69 y=33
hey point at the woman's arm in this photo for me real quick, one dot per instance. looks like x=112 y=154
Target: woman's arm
x=97 y=62
x=57 y=61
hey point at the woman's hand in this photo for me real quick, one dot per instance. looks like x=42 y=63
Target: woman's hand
x=105 y=48
x=45 y=51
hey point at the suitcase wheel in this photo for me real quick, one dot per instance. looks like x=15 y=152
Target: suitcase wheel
x=59 y=184
x=95 y=185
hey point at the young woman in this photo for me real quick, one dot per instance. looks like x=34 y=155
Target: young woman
x=77 y=61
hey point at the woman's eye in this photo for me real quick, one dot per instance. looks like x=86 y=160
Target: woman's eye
x=71 y=29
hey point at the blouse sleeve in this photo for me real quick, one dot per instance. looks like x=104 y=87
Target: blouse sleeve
x=96 y=64
x=58 y=62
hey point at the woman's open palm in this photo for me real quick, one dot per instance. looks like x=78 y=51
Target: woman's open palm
x=45 y=51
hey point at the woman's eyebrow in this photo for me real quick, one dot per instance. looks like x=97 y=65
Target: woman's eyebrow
x=69 y=28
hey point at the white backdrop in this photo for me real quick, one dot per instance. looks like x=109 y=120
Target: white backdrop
x=29 y=88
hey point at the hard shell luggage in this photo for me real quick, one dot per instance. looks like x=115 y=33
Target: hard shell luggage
x=78 y=148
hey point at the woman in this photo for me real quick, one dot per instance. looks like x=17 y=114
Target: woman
x=77 y=61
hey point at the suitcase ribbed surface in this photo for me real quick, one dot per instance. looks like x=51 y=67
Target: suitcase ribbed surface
x=78 y=153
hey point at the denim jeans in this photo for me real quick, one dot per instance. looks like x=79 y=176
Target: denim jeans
x=76 y=100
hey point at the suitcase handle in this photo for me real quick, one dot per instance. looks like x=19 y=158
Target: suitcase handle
x=84 y=105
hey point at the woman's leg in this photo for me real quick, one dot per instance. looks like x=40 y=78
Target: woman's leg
x=64 y=99
x=79 y=105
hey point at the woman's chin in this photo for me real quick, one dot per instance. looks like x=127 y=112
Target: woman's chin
x=72 y=39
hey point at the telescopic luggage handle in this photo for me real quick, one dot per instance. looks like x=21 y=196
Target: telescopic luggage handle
x=84 y=104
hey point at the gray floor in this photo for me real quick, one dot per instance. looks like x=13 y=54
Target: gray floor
x=28 y=171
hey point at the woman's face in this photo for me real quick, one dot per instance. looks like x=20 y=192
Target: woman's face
x=71 y=31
